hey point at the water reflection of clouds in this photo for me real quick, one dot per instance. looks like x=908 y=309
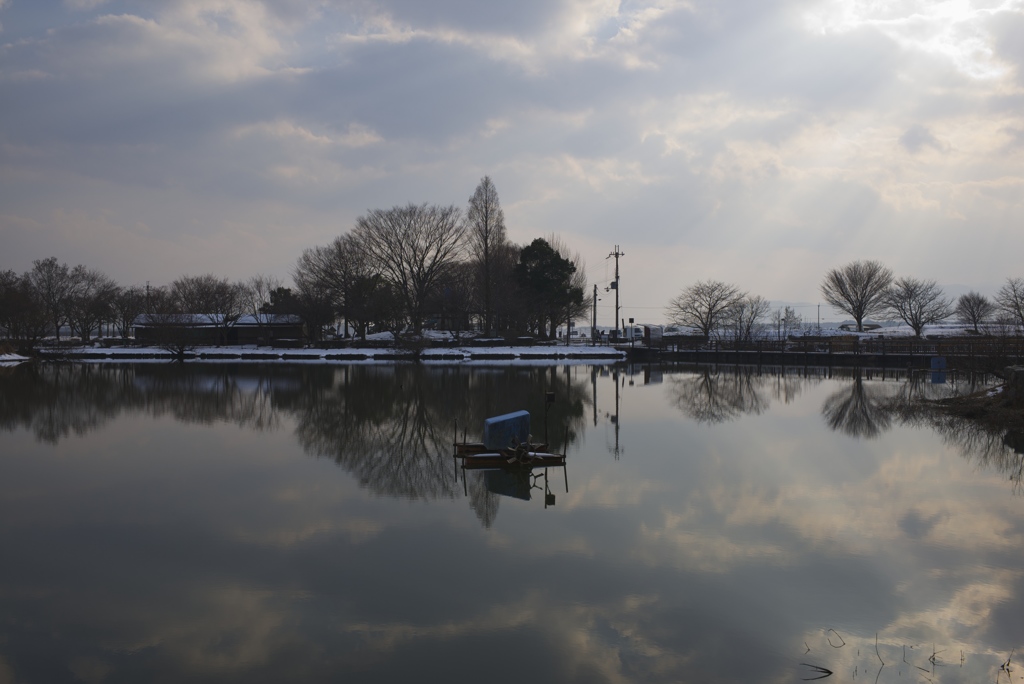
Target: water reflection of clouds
x=664 y=566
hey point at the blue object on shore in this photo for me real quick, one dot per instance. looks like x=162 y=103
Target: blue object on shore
x=938 y=363
x=501 y=432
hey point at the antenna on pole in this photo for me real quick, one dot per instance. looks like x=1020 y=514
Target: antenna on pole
x=615 y=286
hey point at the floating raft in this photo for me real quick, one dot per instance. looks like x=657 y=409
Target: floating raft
x=511 y=459
x=506 y=444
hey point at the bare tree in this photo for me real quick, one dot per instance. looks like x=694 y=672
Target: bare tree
x=414 y=247
x=745 y=318
x=129 y=303
x=314 y=297
x=218 y=299
x=374 y=301
x=91 y=300
x=704 y=305
x=973 y=309
x=453 y=300
x=785 y=321
x=22 y=316
x=344 y=264
x=52 y=282
x=486 y=222
x=858 y=289
x=1010 y=300
x=255 y=294
x=917 y=303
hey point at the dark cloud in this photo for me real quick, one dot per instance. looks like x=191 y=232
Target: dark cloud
x=918 y=137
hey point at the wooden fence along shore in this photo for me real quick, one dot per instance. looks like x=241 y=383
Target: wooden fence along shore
x=899 y=352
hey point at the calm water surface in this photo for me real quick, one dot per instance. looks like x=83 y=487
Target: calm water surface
x=252 y=523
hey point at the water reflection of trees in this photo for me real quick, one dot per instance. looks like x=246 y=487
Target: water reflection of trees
x=391 y=426
x=999 y=449
x=55 y=401
x=711 y=396
x=866 y=407
x=857 y=410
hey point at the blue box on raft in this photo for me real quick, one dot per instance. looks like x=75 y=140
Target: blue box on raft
x=501 y=432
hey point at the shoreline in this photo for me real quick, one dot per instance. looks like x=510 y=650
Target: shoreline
x=451 y=355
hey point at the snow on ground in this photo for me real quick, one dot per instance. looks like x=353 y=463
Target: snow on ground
x=348 y=354
x=12 y=358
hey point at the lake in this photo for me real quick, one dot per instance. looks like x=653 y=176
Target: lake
x=261 y=523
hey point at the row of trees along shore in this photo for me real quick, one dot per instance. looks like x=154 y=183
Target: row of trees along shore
x=399 y=269
x=860 y=289
x=416 y=266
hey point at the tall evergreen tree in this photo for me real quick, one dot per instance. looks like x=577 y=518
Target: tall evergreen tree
x=486 y=223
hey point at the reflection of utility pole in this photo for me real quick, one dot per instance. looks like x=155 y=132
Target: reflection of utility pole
x=615 y=418
x=593 y=388
x=615 y=286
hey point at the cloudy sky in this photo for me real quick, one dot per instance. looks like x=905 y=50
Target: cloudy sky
x=758 y=142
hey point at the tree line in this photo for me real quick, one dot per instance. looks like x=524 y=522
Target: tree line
x=860 y=289
x=428 y=266
x=399 y=270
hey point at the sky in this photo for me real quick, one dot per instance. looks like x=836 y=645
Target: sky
x=757 y=142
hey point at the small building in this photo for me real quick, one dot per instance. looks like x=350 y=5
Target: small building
x=211 y=329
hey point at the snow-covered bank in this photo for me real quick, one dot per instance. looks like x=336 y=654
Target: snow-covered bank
x=446 y=354
x=11 y=359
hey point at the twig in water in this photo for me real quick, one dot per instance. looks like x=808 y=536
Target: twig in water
x=876 y=650
x=842 y=642
x=1005 y=667
x=821 y=672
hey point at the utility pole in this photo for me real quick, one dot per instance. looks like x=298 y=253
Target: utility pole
x=593 y=322
x=615 y=286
